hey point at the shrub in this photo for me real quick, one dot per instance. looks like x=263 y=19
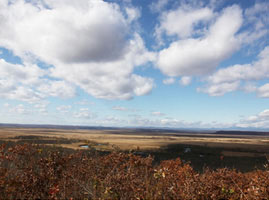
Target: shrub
x=30 y=171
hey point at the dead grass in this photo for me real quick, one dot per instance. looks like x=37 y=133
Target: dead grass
x=131 y=140
x=241 y=152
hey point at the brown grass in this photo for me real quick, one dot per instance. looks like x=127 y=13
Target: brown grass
x=130 y=139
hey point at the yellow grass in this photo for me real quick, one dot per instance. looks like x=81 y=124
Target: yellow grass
x=129 y=139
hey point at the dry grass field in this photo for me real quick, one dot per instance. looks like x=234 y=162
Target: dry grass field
x=243 y=152
x=129 y=139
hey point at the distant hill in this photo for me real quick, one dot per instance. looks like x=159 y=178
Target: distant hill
x=150 y=130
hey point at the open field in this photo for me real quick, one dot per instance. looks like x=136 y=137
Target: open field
x=127 y=139
x=240 y=151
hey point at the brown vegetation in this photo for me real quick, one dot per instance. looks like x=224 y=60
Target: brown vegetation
x=30 y=171
x=243 y=152
x=127 y=139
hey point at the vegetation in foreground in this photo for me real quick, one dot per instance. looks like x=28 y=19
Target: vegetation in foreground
x=29 y=171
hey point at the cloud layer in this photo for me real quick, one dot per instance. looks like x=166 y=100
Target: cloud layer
x=260 y=120
x=61 y=56
x=87 y=43
x=198 y=56
x=230 y=78
x=92 y=45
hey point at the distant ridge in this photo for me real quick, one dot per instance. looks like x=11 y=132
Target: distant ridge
x=143 y=129
x=242 y=132
x=55 y=126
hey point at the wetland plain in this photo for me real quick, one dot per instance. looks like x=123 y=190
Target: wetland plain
x=244 y=151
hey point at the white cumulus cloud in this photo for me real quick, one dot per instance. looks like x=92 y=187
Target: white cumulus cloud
x=169 y=81
x=229 y=79
x=66 y=32
x=88 y=44
x=185 y=80
x=19 y=109
x=181 y=22
x=261 y=120
x=263 y=91
x=84 y=113
x=57 y=89
x=157 y=6
x=199 y=56
x=220 y=89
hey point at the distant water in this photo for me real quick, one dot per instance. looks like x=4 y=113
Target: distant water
x=84 y=146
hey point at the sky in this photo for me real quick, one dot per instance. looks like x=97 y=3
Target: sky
x=135 y=63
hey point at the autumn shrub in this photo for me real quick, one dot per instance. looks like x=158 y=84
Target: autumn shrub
x=30 y=171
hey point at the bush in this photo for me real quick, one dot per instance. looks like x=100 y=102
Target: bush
x=30 y=171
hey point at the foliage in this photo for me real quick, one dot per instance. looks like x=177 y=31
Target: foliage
x=30 y=171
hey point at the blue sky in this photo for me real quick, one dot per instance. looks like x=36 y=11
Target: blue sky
x=165 y=63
